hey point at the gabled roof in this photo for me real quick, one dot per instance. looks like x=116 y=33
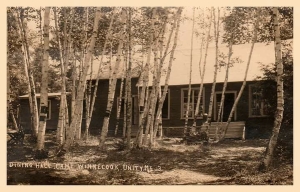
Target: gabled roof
x=262 y=54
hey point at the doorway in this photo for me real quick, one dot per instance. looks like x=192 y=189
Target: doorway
x=227 y=106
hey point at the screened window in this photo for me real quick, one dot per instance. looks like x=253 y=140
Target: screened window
x=193 y=103
x=258 y=105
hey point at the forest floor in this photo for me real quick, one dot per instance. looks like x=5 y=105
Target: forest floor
x=232 y=162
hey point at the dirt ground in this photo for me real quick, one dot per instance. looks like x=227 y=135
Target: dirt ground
x=232 y=162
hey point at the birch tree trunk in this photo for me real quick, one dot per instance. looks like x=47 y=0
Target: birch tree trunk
x=88 y=103
x=220 y=110
x=202 y=74
x=197 y=110
x=112 y=86
x=280 y=94
x=190 y=80
x=82 y=83
x=61 y=116
x=163 y=56
x=120 y=102
x=109 y=33
x=29 y=74
x=44 y=85
x=128 y=84
x=211 y=100
x=153 y=93
x=145 y=75
x=223 y=131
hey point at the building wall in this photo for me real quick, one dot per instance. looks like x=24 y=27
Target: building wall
x=100 y=107
x=255 y=127
x=24 y=115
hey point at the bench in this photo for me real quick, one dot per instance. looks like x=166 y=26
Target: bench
x=236 y=130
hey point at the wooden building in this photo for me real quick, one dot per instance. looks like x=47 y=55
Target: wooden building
x=251 y=109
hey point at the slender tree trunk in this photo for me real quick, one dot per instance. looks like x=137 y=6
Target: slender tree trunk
x=145 y=74
x=223 y=131
x=100 y=69
x=163 y=56
x=220 y=110
x=44 y=84
x=211 y=100
x=280 y=94
x=153 y=94
x=190 y=81
x=120 y=103
x=142 y=102
x=128 y=84
x=29 y=73
x=112 y=87
x=82 y=83
x=88 y=103
x=197 y=110
x=61 y=116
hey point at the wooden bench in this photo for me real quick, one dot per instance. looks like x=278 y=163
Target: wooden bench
x=236 y=130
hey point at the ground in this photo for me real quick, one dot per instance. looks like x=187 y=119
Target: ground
x=170 y=162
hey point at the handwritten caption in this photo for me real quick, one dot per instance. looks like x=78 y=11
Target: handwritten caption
x=80 y=166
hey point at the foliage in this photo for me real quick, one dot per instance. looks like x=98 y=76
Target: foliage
x=237 y=22
x=269 y=94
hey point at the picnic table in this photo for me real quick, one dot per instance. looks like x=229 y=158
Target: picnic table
x=16 y=136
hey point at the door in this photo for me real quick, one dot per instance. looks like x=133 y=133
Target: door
x=227 y=106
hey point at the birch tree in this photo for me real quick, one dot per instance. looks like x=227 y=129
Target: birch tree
x=61 y=116
x=128 y=83
x=28 y=71
x=190 y=80
x=280 y=94
x=44 y=87
x=220 y=110
x=202 y=72
x=145 y=76
x=112 y=86
x=165 y=90
x=216 y=35
x=82 y=83
x=254 y=39
x=93 y=97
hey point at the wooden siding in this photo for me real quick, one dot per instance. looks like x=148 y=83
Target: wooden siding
x=257 y=127
x=25 y=114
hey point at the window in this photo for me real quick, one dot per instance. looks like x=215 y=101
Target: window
x=193 y=102
x=257 y=104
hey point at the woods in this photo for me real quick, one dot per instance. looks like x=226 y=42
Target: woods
x=141 y=75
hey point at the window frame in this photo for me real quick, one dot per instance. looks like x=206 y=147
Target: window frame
x=250 y=104
x=182 y=116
